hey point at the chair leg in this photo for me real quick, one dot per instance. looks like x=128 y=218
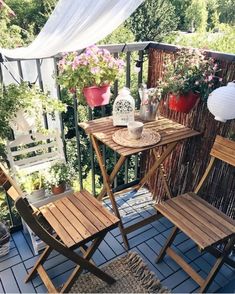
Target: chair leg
x=78 y=269
x=218 y=264
x=39 y=262
x=168 y=243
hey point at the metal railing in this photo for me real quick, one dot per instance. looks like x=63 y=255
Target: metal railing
x=133 y=53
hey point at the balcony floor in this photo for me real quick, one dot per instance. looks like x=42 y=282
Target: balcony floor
x=147 y=241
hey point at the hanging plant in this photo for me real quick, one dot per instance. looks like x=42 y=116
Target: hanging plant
x=90 y=74
x=22 y=99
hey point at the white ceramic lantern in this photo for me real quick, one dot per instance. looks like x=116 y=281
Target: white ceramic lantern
x=123 y=108
x=221 y=102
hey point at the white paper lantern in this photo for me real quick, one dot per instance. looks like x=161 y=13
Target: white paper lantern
x=123 y=108
x=221 y=102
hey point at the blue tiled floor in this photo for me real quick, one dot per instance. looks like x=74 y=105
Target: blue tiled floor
x=147 y=241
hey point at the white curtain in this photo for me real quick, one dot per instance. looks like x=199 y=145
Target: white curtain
x=74 y=25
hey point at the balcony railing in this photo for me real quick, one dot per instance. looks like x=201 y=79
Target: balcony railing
x=132 y=53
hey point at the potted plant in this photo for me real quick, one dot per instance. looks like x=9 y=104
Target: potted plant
x=22 y=107
x=4 y=239
x=187 y=77
x=58 y=176
x=90 y=74
x=33 y=184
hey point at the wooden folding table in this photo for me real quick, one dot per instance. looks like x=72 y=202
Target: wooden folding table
x=101 y=131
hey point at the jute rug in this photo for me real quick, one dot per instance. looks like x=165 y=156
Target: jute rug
x=131 y=274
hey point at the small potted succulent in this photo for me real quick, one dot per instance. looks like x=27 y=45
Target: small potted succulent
x=90 y=74
x=4 y=239
x=187 y=77
x=34 y=185
x=57 y=178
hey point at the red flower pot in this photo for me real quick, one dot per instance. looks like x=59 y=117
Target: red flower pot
x=183 y=103
x=97 y=96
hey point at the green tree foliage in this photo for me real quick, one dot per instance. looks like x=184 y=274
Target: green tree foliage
x=10 y=35
x=180 y=8
x=196 y=15
x=213 y=14
x=222 y=41
x=227 y=11
x=31 y=15
x=122 y=34
x=153 y=20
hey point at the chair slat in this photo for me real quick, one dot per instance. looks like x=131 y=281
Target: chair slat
x=199 y=216
x=224 y=149
x=186 y=227
x=85 y=221
x=64 y=221
x=100 y=207
x=59 y=229
x=78 y=226
x=96 y=222
x=93 y=209
x=211 y=211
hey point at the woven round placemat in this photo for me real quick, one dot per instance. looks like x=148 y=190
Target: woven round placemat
x=148 y=138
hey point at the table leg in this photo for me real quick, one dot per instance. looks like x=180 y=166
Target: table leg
x=163 y=176
x=112 y=176
x=157 y=164
x=108 y=188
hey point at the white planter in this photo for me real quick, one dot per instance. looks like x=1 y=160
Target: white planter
x=37 y=195
x=22 y=122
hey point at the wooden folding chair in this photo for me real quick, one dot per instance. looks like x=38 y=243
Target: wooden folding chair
x=204 y=224
x=64 y=225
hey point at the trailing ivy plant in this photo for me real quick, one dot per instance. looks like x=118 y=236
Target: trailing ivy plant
x=29 y=99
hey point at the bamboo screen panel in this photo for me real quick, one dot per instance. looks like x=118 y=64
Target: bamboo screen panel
x=185 y=166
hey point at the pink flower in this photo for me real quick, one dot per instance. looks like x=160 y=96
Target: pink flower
x=95 y=70
x=220 y=79
x=210 y=77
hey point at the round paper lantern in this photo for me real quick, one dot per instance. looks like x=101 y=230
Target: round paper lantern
x=221 y=102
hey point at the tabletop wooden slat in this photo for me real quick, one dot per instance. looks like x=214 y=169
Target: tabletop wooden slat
x=169 y=130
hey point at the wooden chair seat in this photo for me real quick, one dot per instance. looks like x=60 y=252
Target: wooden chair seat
x=78 y=218
x=199 y=220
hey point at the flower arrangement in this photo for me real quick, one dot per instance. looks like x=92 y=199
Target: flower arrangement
x=94 y=67
x=190 y=71
x=149 y=96
x=57 y=174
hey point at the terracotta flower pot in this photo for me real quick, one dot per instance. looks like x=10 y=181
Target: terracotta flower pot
x=183 y=103
x=97 y=96
x=58 y=189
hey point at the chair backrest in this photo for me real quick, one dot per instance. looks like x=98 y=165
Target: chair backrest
x=9 y=184
x=224 y=149
x=34 y=152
